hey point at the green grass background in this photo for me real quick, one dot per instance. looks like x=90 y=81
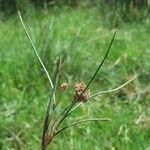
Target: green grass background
x=82 y=37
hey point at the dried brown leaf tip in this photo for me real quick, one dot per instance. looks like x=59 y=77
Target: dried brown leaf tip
x=80 y=93
x=63 y=86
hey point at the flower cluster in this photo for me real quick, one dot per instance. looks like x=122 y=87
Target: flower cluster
x=80 y=92
x=63 y=86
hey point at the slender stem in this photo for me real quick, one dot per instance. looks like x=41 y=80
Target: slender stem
x=112 y=90
x=57 y=73
x=50 y=107
x=75 y=108
x=46 y=122
x=101 y=63
x=62 y=117
x=30 y=40
x=82 y=121
x=58 y=100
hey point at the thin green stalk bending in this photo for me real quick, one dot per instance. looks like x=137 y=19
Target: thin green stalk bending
x=82 y=121
x=113 y=90
x=46 y=122
x=101 y=63
x=30 y=40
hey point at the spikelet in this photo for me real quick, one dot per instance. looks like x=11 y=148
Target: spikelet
x=79 y=93
x=63 y=86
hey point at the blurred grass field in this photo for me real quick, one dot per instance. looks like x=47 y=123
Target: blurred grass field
x=81 y=37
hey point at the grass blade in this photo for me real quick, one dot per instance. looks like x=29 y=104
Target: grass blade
x=113 y=90
x=101 y=63
x=31 y=42
x=82 y=121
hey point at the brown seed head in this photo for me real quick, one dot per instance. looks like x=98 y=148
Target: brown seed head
x=63 y=86
x=79 y=93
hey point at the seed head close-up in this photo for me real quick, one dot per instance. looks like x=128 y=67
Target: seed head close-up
x=80 y=92
x=64 y=86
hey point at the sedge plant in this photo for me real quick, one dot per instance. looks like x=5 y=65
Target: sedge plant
x=81 y=95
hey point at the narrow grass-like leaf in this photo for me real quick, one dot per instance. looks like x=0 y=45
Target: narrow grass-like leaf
x=50 y=107
x=113 y=90
x=30 y=40
x=57 y=73
x=101 y=63
x=52 y=95
x=82 y=121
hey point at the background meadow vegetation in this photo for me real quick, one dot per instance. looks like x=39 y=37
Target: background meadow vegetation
x=80 y=32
